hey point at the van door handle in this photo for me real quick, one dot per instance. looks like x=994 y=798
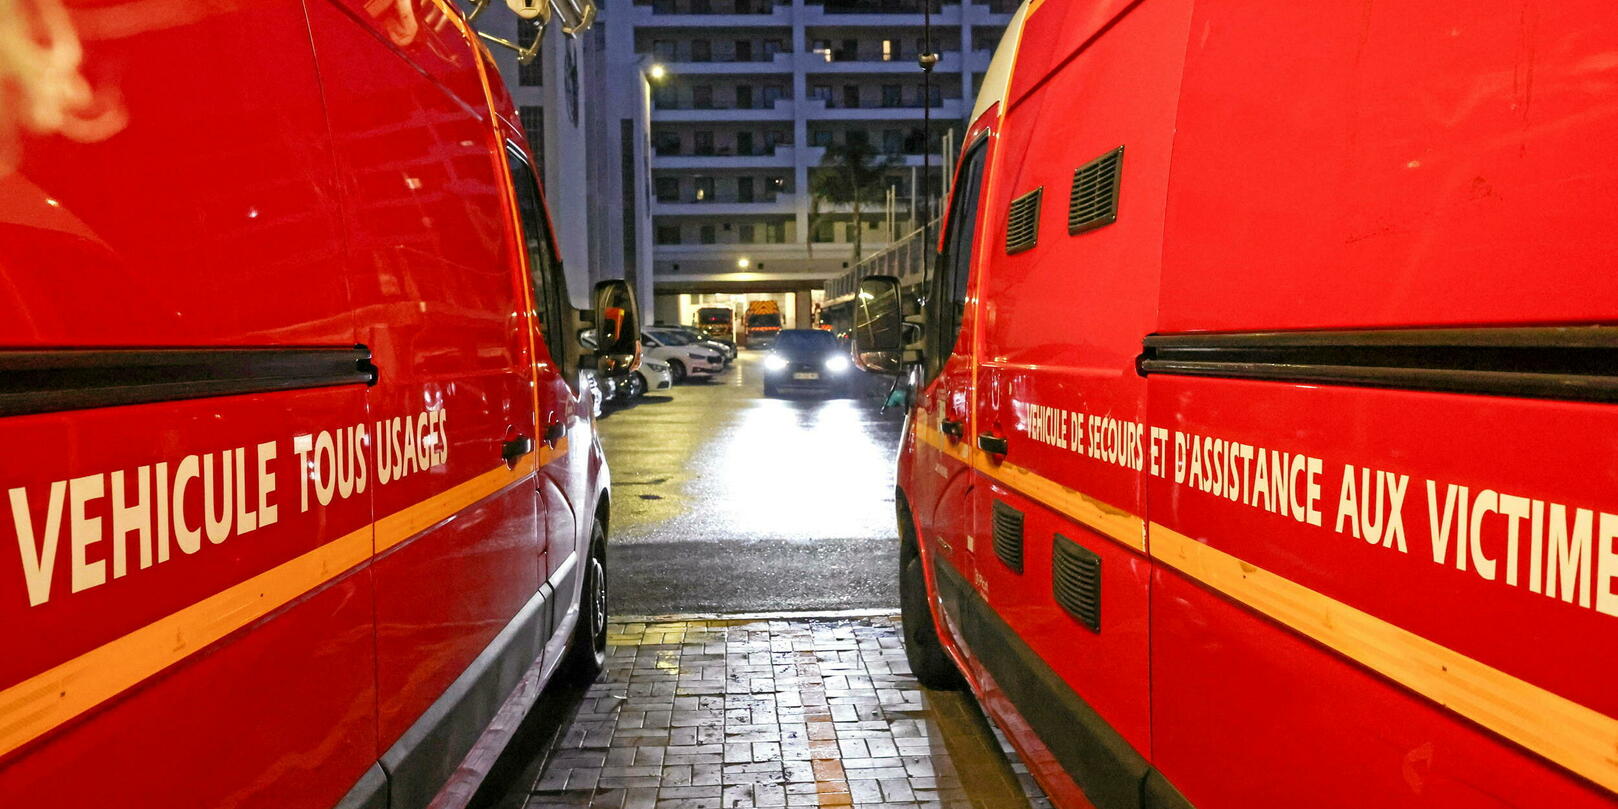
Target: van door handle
x=953 y=429
x=993 y=444
x=553 y=433
x=516 y=448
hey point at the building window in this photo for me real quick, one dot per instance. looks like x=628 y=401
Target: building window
x=773 y=47
x=707 y=234
x=702 y=143
x=777 y=184
x=744 y=234
x=533 y=127
x=890 y=50
x=744 y=96
x=891 y=95
x=821 y=92
x=744 y=143
x=744 y=50
x=772 y=94
x=668 y=234
x=744 y=189
x=701 y=7
x=701 y=50
x=893 y=141
x=820 y=138
x=667 y=143
x=668 y=189
x=851 y=95
x=664 y=97
x=663 y=49
x=702 y=97
x=533 y=73
x=776 y=233
x=935 y=96
x=704 y=189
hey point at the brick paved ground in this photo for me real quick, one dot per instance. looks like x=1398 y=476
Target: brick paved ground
x=775 y=713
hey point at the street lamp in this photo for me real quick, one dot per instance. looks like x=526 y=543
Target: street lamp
x=743 y=263
x=657 y=72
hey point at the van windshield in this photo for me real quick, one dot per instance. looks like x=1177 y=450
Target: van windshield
x=713 y=317
x=764 y=321
x=805 y=341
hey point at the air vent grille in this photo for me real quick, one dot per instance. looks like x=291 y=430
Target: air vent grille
x=1022 y=223
x=1076 y=580
x=1093 y=202
x=1008 y=535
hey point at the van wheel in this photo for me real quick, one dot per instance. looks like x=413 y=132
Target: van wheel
x=587 y=652
x=932 y=665
x=677 y=370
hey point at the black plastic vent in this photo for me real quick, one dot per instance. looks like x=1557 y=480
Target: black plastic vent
x=1093 y=202
x=1008 y=535
x=1022 y=223
x=1076 y=581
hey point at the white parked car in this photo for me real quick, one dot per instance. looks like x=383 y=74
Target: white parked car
x=685 y=357
x=652 y=375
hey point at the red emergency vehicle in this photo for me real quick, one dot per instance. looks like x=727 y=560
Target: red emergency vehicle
x=1262 y=443
x=303 y=501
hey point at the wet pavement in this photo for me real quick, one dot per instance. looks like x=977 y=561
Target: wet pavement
x=771 y=713
x=728 y=503
x=725 y=501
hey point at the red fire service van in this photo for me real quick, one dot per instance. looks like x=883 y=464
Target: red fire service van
x=1263 y=448
x=303 y=501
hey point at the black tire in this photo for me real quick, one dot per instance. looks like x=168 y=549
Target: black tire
x=587 y=651
x=677 y=370
x=932 y=665
x=633 y=388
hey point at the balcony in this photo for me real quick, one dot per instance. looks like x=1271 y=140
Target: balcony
x=779 y=157
x=723 y=205
x=780 y=63
x=817 y=109
x=856 y=13
x=781 y=110
x=872 y=61
x=721 y=16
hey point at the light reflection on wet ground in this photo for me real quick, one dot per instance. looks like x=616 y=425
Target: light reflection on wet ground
x=725 y=501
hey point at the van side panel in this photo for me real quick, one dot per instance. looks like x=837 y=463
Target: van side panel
x=166 y=207
x=162 y=656
x=1437 y=165
x=1061 y=325
x=460 y=547
x=1401 y=611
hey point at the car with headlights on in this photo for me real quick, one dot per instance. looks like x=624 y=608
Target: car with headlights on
x=807 y=360
x=686 y=357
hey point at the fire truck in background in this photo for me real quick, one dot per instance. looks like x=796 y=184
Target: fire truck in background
x=717 y=323
x=302 y=496
x=1261 y=443
x=762 y=323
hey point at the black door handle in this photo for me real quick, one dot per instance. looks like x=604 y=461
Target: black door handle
x=553 y=433
x=953 y=429
x=516 y=448
x=993 y=444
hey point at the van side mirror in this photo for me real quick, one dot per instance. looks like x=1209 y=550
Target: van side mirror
x=617 y=329
x=878 y=326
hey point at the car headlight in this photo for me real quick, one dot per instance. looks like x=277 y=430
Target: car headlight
x=703 y=357
x=656 y=366
x=775 y=363
x=837 y=364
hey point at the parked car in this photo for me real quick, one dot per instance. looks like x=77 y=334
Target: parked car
x=652 y=375
x=302 y=512
x=686 y=357
x=727 y=345
x=808 y=360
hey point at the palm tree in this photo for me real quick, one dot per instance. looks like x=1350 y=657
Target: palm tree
x=850 y=174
